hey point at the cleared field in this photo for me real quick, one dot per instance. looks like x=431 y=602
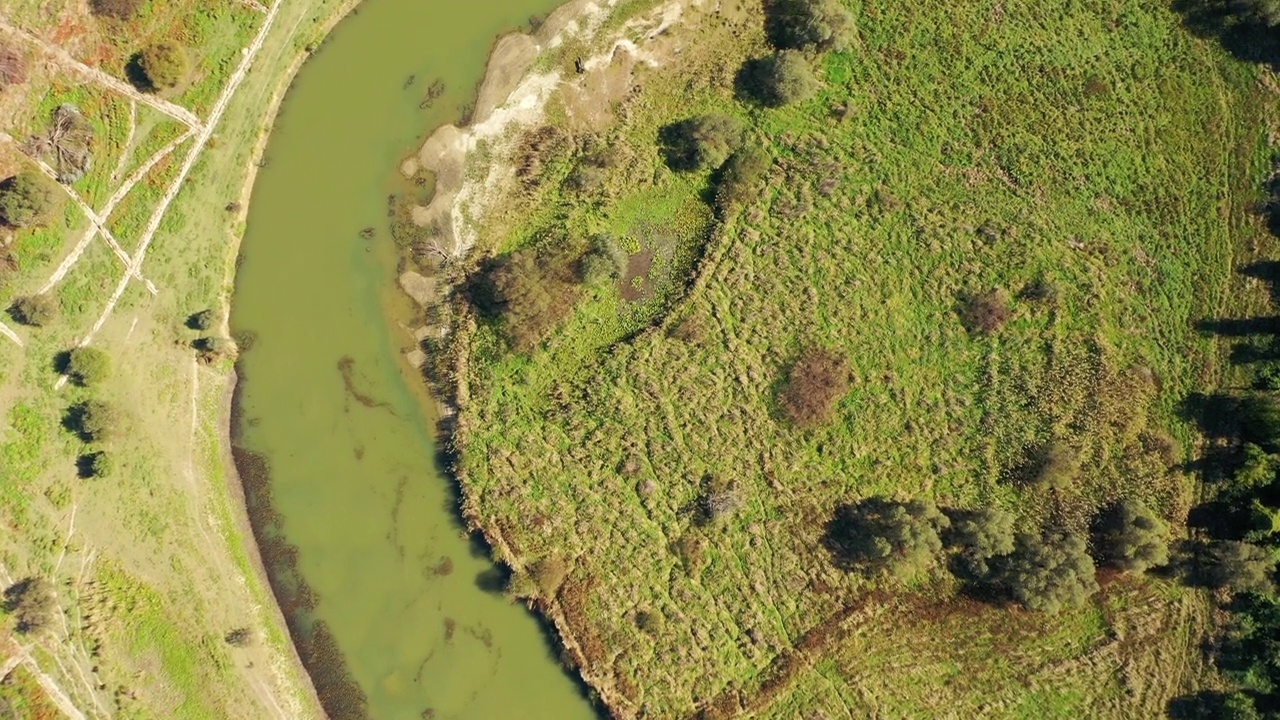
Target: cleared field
x=1094 y=163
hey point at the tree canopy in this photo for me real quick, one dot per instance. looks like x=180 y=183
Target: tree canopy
x=877 y=535
x=28 y=198
x=88 y=366
x=35 y=310
x=1134 y=539
x=163 y=65
x=981 y=535
x=780 y=79
x=703 y=142
x=801 y=24
x=1049 y=574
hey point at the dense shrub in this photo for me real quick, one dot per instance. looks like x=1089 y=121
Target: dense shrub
x=116 y=9
x=817 y=381
x=798 y=24
x=32 y=604
x=702 y=142
x=604 y=262
x=35 y=310
x=1049 y=574
x=95 y=420
x=532 y=294
x=878 y=535
x=203 y=320
x=718 y=499
x=213 y=348
x=1056 y=467
x=981 y=535
x=549 y=574
x=1133 y=538
x=780 y=79
x=163 y=66
x=28 y=198
x=88 y=366
x=741 y=177
x=100 y=464
x=1239 y=566
x=1261 y=12
x=986 y=313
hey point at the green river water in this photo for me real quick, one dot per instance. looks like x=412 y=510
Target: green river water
x=330 y=405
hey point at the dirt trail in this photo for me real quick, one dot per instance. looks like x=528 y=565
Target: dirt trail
x=177 y=112
x=8 y=332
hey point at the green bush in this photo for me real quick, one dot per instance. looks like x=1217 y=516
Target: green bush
x=163 y=65
x=28 y=198
x=1134 y=539
x=741 y=177
x=96 y=420
x=549 y=574
x=780 y=79
x=1049 y=574
x=981 y=535
x=604 y=262
x=31 y=602
x=202 y=321
x=878 y=535
x=800 y=24
x=1056 y=467
x=35 y=310
x=1259 y=415
x=1239 y=566
x=1261 y=12
x=701 y=143
x=88 y=366
x=100 y=464
x=532 y=294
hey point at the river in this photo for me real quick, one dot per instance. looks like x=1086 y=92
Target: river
x=341 y=421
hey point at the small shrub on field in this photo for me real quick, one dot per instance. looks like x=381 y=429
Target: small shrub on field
x=28 y=199
x=1056 y=467
x=202 y=321
x=538 y=149
x=1239 y=566
x=701 y=143
x=549 y=574
x=742 y=177
x=816 y=383
x=986 y=313
x=95 y=420
x=241 y=637
x=162 y=66
x=32 y=604
x=97 y=465
x=1133 y=538
x=604 y=262
x=13 y=67
x=88 y=366
x=650 y=621
x=599 y=158
x=116 y=9
x=35 y=310
x=1049 y=574
x=878 y=535
x=781 y=79
x=799 y=24
x=718 y=500
x=1039 y=290
x=980 y=536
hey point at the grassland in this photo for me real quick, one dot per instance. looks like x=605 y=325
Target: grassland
x=153 y=565
x=1095 y=148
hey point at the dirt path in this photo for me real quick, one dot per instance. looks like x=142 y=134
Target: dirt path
x=6 y=331
x=69 y=262
x=177 y=112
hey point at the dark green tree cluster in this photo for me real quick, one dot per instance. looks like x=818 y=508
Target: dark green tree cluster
x=877 y=536
x=809 y=24
x=96 y=422
x=1049 y=573
x=28 y=199
x=531 y=293
x=780 y=79
x=741 y=177
x=703 y=142
x=1261 y=12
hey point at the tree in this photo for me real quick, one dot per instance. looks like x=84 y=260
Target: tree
x=981 y=535
x=116 y=9
x=32 y=603
x=88 y=366
x=26 y=199
x=1259 y=415
x=532 y=294
x=817 y=381
x=702 y=142
x=800 y=24
x=203 y=320
x=1056 y=467
x=1049 y=574
x=95 y=419
x=163 y=66
x=1239 y=566
x=1237 y=705
x=1257 y=470
x=604 y=262
x=780 y=79
x=214 y=348
x=741 y=176
x=1261 y=12
x=100 y=464
x=1134 y=538
x=35 y=310
x=549 y=574
x=878 y=535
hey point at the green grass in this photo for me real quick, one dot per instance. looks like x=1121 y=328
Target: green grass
x=953 y=150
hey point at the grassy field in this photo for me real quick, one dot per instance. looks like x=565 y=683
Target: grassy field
x=1095 y=149
x=149 y=565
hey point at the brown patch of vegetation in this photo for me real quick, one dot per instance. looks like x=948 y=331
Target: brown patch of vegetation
x=13 y=67
x=532 y=293
x=816 y=383
x=986 y=313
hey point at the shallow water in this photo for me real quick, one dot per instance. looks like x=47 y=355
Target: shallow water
x=330 y=404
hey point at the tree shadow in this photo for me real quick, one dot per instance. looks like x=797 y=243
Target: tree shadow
x=1220 y=20
x=62 y=362
x=747 y=85
x=73 y=422
x=136 y=76
x=676 y=142
x=1240 y=327
x=1215 y=414
x=84 y=465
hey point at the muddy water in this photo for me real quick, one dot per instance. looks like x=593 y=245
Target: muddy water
x=330 y=407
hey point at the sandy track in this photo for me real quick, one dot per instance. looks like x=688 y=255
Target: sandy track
x=177 y=112
x=8 y=332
